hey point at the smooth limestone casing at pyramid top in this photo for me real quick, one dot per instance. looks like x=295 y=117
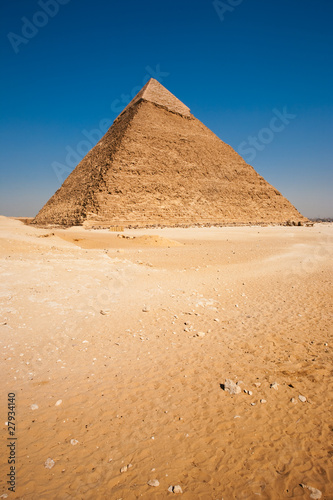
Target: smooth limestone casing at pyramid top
x=158 y=164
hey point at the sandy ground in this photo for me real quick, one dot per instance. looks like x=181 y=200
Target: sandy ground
x=141 y=382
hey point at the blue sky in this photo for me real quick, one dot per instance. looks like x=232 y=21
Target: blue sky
x=69 y=66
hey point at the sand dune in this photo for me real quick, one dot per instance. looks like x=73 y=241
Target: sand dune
x=123 y=346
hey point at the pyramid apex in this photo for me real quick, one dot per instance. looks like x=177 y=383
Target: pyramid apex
x=153 y=91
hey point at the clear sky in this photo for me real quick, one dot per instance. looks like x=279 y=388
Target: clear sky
x=258 y=73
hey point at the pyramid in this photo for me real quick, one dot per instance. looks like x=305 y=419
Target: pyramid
x=159 y=165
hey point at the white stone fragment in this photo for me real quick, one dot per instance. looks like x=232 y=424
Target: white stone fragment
x=175 y=489
x=49 y=463
x=315 y=493
x=231 y=387
x=153 y=482
x=125 y=468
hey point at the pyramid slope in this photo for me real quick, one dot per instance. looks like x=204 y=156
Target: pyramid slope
x=157 y=166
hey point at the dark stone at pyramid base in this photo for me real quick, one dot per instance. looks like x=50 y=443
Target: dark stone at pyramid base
x=121 y=225
x=159 y=165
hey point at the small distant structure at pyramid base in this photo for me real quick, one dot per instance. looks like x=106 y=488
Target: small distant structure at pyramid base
x=159 y=165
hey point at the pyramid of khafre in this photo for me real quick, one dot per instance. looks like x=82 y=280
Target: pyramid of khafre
x=158 y=164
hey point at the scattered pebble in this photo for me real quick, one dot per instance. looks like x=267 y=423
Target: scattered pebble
x=49 y=463
x=34 y=407
x=125 y=468
x=58 y=403
x=175 y=489
x=316 y=494
x=74 y=442
x=302 y=398
x=231 y=387
x=275 y=386
x=153 y=482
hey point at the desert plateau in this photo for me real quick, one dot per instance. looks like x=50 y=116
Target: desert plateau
x=167 y=362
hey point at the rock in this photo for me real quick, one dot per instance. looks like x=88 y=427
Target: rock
x=105 y=312
x=217 y=320
x=49 y=463
x=153 y=482
x=175 y=489
x=257 y=384
x=275 y=386
x=58 y=403
x=34 y=407
x=145 y=309
x=125 y=468
x=231 y=387
x=293 y=400
x=250 y=393
x=302 y=398
x=316 y=494
x=263 y=401
x=200 y=334
x=74 y=442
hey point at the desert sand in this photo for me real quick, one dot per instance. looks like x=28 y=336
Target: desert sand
x=118 y=350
